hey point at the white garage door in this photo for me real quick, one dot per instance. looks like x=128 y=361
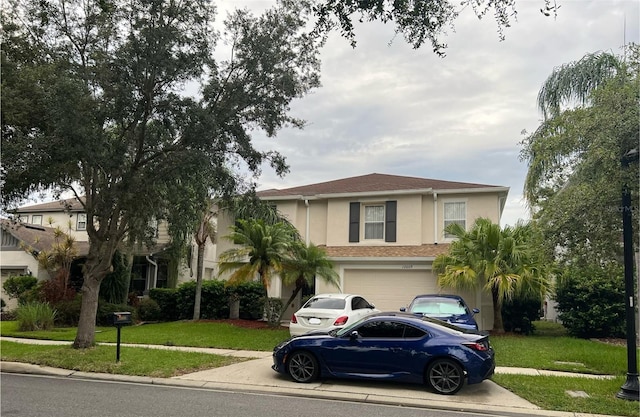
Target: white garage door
x=389 y=290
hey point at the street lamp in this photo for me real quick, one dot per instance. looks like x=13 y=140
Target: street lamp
x=630 y=390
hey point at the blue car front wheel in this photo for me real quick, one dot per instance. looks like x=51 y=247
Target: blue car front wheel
x=302 y=366
x=445 y=376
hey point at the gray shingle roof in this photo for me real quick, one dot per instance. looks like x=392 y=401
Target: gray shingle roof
x=38 y=237
x=373 y=183
x=69 y=204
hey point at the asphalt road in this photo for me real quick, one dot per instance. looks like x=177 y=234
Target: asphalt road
x=35 y=395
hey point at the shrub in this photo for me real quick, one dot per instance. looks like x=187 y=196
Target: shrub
x=68 y=312
x=55 y=290
x=251 y=296
x=35 y=316
x=167 y=303
x=213 y=303
x=591 y=301
x=148 y=310
x=519 y=314
x=273 y=308
x=17 y=287
x=104 y=316
x=185 y=299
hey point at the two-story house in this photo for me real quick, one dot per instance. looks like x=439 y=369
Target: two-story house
x=33 y=227
x=382 y=233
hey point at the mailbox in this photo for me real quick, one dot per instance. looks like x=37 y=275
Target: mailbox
x=121 y=317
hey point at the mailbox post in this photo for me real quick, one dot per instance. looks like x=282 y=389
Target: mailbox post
x=120 y=318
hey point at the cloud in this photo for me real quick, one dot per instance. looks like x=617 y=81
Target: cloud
x=385 y=107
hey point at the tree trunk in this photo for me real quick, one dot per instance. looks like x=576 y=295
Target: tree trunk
x=96 y=268
x=300 y=282
x=234 y=307
x=498 y=325
x=200 y=267
x=85 y=337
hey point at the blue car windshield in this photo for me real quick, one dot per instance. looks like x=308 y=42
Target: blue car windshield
x=438 y=306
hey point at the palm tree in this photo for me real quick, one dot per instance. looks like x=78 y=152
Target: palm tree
x=305 y=263
x=260 y=251
x=501 y=261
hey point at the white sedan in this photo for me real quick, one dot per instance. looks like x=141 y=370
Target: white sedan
x=329 y=311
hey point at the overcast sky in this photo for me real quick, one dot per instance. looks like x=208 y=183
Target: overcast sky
x=390 y=109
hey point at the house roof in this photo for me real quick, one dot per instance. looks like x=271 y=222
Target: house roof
x=43 y=238
x=373 y=183
x=421 y=251
x=69 y=204
x=38 y=237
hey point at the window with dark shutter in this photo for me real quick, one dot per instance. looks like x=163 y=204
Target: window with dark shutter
x=354 y=222
x=390 y=221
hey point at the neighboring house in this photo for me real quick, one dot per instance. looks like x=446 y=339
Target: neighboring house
x=21 y=243
x=382 y=233
x=33 y=224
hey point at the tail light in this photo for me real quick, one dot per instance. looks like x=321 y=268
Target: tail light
x=479 y=346
x=294 y=319
x=341 y=321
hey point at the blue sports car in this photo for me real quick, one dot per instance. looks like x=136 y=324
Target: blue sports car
x=390 y=346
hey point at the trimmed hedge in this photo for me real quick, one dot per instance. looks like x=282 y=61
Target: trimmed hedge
x=518 y=314
x=167 y=299
x=177 y=304
x=591 y=302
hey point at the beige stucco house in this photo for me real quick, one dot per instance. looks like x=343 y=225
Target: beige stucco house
x=33 y=226
x=382 y=233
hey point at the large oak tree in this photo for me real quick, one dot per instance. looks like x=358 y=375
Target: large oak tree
x=97 y=100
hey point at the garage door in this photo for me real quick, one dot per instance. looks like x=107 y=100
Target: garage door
x=389 y=289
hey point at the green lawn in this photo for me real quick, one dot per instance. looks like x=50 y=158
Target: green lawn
x=549 y=348
x=179 y=333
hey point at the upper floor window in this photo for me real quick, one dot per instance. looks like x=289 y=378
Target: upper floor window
x=81 y=221
x=36 y=219
x=455 y=212
x=374 y=222
x=377 y=220
x=153 y=228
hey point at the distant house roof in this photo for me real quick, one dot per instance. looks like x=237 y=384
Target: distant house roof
x=69 y=204
x=38 y=237
x=422 y=251
x=43 y=238
x=378 y=183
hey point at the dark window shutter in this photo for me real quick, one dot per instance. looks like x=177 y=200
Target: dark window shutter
x=354 y=222
x=390 y=221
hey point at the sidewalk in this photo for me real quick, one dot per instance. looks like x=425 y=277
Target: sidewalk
x=256 y=375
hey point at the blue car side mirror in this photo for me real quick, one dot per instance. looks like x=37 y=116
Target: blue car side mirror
x=475 y=311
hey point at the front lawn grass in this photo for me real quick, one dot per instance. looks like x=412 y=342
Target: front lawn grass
x=155 y=363
x=207 y=334
x=559 y=353
x=551 y=393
